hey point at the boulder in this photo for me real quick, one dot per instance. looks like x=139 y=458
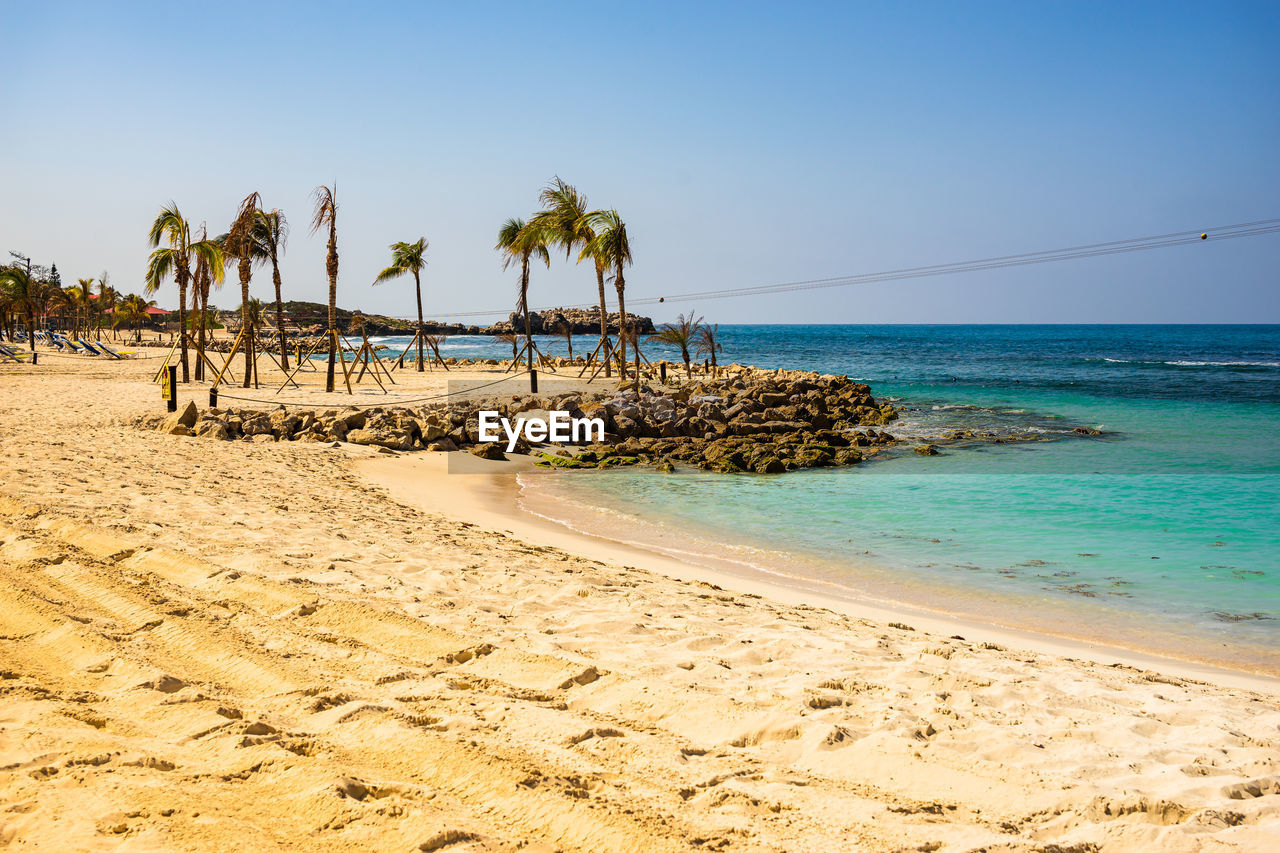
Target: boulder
x=184 y=417
x=380 y=438
x=212 y=429
x=488 y=450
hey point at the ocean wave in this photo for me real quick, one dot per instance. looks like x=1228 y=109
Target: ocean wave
x=1188 y=363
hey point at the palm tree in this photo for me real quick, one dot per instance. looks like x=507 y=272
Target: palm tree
x=22 y=293
x=565 y=328
x=53 y=299
x=683 y=333
x=512 y=340
x=326 y=215
x=175 y=260
x=107 y=299
x=611 y=248
x=206 y=274
x=254 y=310
x=241 y=245
x=409 y=258
x=271 y=233
x=84 y=296
x=709 y=343
x=133 y=310
x=564 y=219
x=75 y=301
x=518 y=240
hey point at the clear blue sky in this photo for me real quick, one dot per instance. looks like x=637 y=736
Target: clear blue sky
x=743 y=143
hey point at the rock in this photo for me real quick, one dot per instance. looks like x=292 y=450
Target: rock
x=379 y=438
x=263 y=438
x=769 y=465
x=184 y=417
x=430 y=431
x=927 y=450
x=212 y=429
x=488 y=450
x=354 y=419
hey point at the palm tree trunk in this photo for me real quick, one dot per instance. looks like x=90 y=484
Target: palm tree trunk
x=202 y=306
x=417 y=286
x=182 y=325
x=621 y=284
x=275 y=279
x=524 y=305
x=245 y=329
x=331 y=265
x=604 y=319
x=31 y=328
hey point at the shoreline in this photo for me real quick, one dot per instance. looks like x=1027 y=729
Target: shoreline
x=486 y=493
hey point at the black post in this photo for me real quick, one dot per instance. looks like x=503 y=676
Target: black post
x=173 y=387
x=662 y=371
x=533 y=381
x=35 y=357
x=213 y=397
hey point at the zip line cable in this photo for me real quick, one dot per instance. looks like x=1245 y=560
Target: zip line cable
x=1092 y=250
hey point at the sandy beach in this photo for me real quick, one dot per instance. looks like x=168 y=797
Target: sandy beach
x=210 y=645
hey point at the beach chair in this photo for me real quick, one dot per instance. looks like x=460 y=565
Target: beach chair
x=94 y=348
x=109 y=351
x=75 y=347
x=102 y=349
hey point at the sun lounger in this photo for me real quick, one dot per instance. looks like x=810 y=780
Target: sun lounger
x=12 y=353
x=96 y=349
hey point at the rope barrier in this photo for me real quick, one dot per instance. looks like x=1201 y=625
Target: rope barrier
x=383 y=402
x=84 y=356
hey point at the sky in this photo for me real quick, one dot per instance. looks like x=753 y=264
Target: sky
x=743 y=143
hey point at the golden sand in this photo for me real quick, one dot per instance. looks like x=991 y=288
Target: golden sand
x=229 y=645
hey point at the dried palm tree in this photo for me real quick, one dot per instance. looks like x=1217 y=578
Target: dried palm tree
x=519 y=241
x=512 y=340
x=565 y=328
x=409 y=258
x=326 y=216
x=564 y=218
x=611 y=248
x=271 y=234
x=683 y=333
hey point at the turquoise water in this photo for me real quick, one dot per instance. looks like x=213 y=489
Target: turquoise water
x=1162 y=534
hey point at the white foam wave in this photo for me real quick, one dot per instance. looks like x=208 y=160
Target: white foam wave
x=1188 y=363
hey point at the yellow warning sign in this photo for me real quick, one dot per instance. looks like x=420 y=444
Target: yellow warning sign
x=166 y=386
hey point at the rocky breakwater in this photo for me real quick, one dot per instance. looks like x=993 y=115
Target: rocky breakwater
x=764 y=422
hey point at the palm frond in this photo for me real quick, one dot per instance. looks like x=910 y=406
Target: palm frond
x=161 y=264
x=326 y=207
x=168 y=223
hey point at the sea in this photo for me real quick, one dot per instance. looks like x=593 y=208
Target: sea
x=1161 y=534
